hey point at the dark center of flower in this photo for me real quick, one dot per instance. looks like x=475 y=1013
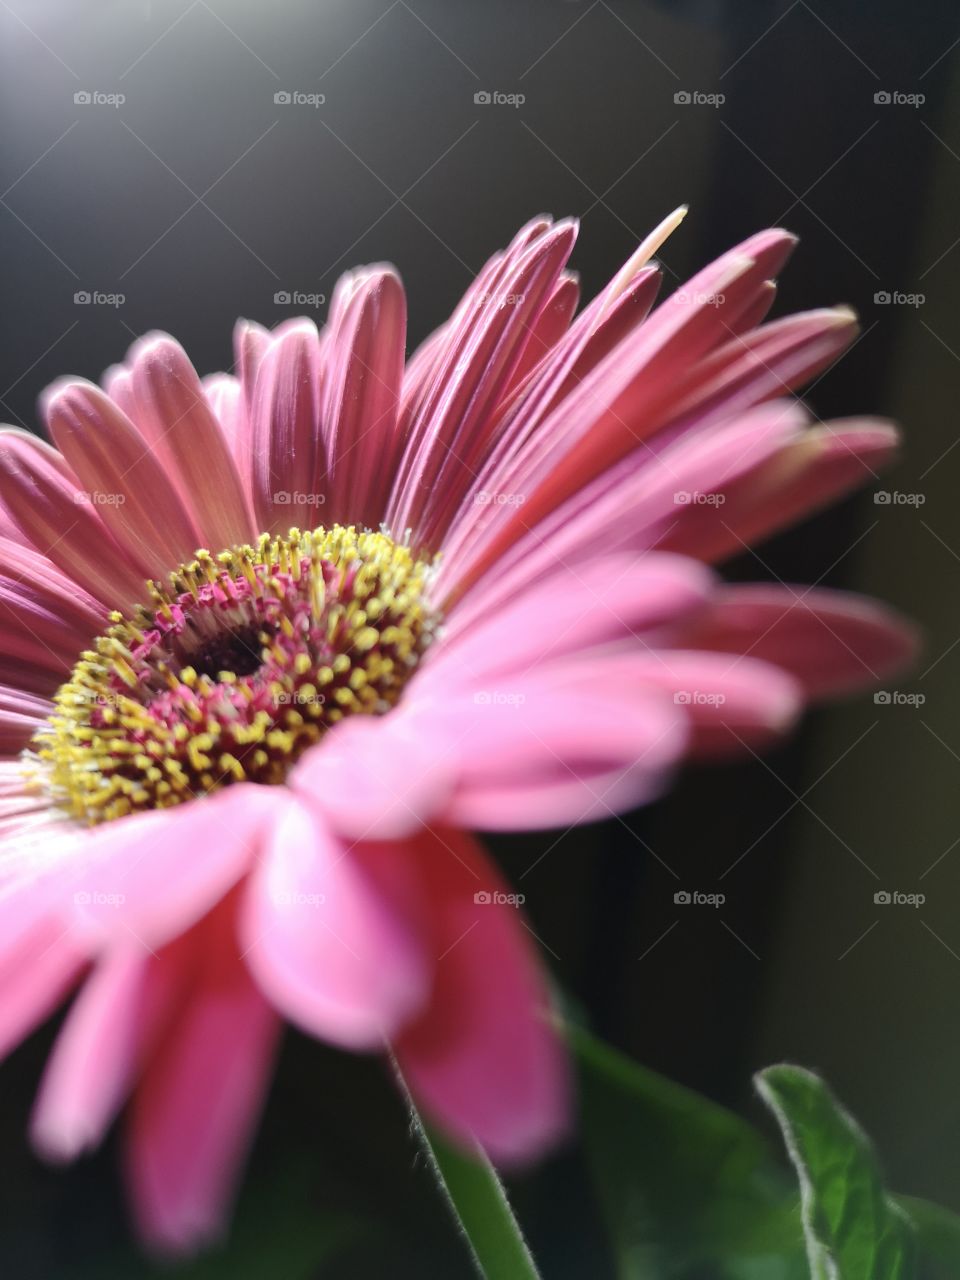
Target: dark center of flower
x=233 y=670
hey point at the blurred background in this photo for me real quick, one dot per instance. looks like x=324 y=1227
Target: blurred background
x=176 y=165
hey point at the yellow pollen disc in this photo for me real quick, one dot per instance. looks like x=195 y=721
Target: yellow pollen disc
x=233 y=669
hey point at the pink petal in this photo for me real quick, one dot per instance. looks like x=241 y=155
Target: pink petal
x=331 y=932
x=37 y=970
x=831 y=641
x=374 y=777
x=110 y=1030
x=56 y=518
x=482 y=1060
x=568 y=745
x=822 y=465
x=287 y=453
x=175 y=418
x=365 y=354
x=198 y=1105
x=149 y=877
x=108 y=456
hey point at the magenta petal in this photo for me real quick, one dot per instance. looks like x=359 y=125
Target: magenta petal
x=483 y=1060
x=331 y=932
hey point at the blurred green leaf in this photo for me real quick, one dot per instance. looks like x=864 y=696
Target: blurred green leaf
x=686 y=1187
x=853 y=1229
x=938 y=1234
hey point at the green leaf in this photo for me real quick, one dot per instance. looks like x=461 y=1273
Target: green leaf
x=478 y=1202
x=686 y=1187
x=853 y=1229
x=938 y=1234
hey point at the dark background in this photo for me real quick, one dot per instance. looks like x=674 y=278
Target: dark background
x=199 y=199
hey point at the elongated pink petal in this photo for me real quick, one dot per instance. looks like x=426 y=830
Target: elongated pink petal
x=570 y=610
x=833 y=642
x=140 y=506
x=331 y=932
x=196 y=1110
x=450 y=433
x=111 y=1028
x=173 y=413
x=365 y=356
x=287 y=452
x=61 y=521
x=558 y=747
x=819 y=467
x=37 y=970
x=482 y=1060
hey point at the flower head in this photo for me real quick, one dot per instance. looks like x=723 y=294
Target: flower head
x=272 y=644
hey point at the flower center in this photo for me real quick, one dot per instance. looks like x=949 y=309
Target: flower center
x=232 y=671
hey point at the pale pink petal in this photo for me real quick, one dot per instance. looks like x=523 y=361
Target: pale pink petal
x=331 y=932
x=574 y=745
x=150 y=876
x=482 y=1060
x=37 y=970
x=375 y=778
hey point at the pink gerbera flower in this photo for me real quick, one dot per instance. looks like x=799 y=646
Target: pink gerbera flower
x=466 y=591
